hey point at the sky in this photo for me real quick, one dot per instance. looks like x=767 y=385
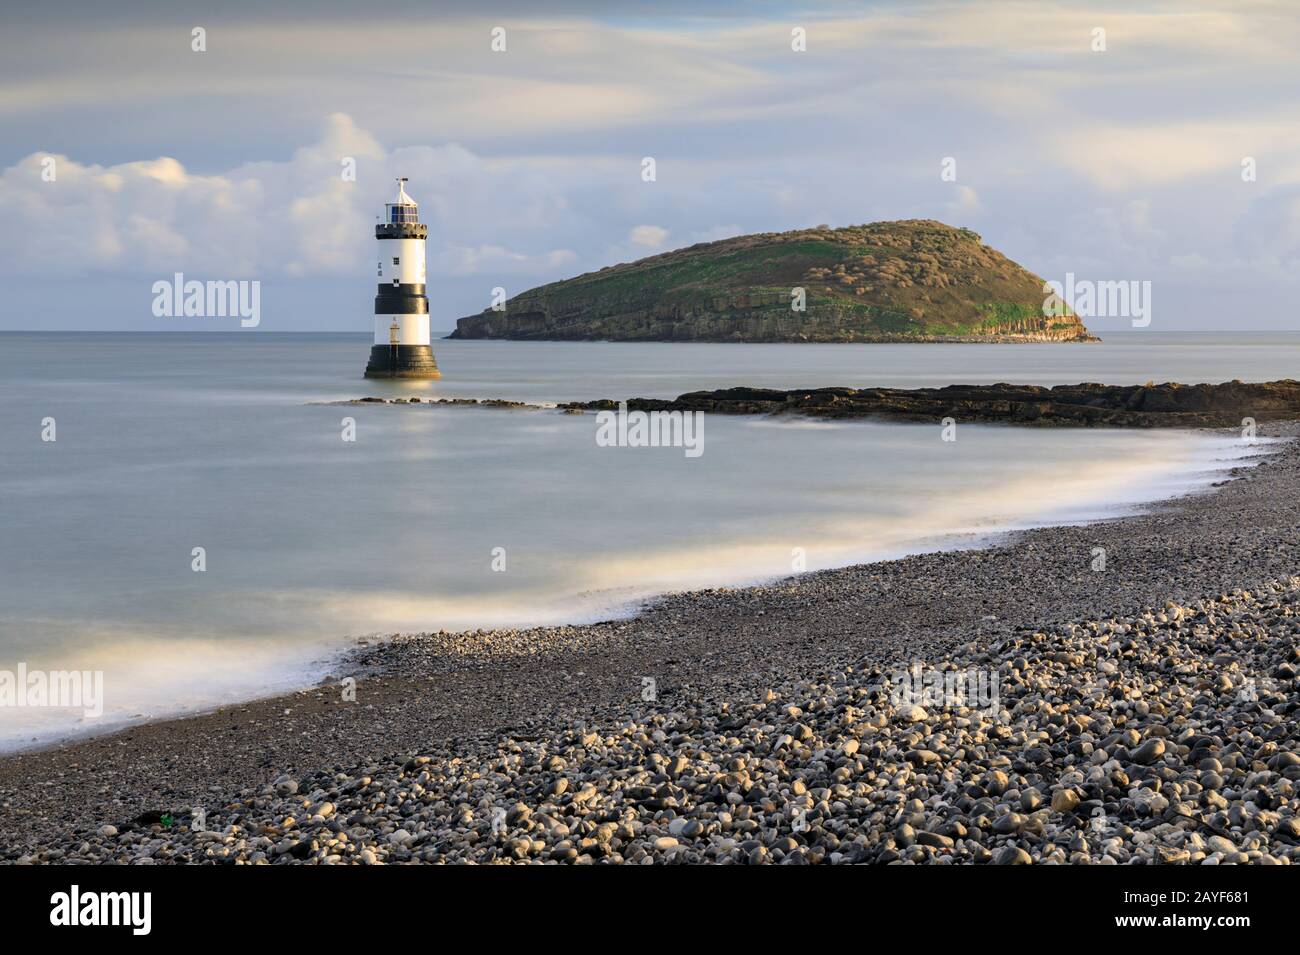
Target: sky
x=1165 y=148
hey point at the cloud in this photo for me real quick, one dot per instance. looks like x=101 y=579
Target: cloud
x=1122 y=156
x=558 y=74
x=526 y=163
x=139 y=216
x=648 y=236
x=1267 y=238
x=966 y=205
x=462 y=261
x=298 y=218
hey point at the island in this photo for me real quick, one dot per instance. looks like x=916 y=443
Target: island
x=915 y=280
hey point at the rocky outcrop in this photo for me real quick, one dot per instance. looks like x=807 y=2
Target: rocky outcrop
x=1169 y=405
x=913 y=280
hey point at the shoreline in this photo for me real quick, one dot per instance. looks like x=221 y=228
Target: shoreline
x=446 y=695
x=339 y=659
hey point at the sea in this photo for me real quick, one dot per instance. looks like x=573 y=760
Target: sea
x=187 y=515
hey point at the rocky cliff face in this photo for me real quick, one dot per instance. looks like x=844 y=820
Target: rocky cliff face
x=915 y=280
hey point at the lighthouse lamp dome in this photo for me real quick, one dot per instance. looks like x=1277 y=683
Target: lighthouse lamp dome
x=404 y=208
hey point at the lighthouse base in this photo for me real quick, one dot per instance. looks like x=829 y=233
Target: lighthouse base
x=402 y=361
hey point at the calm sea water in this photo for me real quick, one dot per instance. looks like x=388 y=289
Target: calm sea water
x=170 y=442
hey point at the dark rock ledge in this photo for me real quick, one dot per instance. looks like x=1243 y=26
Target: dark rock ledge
x=1168 y=405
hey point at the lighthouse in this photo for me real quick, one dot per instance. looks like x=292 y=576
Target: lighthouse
x=401 y=347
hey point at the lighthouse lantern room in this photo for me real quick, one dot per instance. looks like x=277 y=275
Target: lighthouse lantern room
x=401 y=344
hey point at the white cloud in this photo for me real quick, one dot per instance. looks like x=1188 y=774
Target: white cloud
x=140 y=215
x=966 y=204
x=489 y=260
x=648 y=236
x=296 y=218
x=1117 y=156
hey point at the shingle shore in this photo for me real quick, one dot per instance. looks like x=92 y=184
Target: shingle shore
x=779 y=732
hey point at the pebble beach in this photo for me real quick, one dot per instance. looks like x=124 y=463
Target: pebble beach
x=1018 y=704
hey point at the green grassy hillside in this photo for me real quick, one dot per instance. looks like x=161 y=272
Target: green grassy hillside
x=911 y=280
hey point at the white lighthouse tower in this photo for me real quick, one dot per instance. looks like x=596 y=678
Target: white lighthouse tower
x=401 y=348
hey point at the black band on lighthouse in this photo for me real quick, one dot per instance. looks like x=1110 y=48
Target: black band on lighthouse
x=406 y=288
x=401 y=300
